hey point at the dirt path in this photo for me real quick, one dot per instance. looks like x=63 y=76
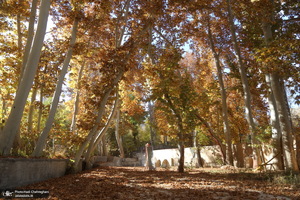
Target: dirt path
x=136 y=183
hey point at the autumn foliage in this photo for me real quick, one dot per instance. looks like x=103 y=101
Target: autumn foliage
x=183 y=72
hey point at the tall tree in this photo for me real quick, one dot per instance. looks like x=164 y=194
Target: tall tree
x=13 y=122
x=117 y=131
x=77 y=98
x=43 y=137
x=245 y=84
x=277 y=70
x=227 y=128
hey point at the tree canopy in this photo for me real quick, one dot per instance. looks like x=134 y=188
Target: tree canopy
x=226 y=70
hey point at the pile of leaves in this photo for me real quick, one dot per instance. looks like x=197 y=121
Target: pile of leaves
x=137 y=183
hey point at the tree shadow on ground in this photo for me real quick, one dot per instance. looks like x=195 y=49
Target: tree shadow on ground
x=136 y=183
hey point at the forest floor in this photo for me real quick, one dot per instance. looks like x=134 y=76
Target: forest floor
x=137 y=183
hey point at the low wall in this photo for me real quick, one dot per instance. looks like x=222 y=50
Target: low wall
x=211 y=156
x=16 y=172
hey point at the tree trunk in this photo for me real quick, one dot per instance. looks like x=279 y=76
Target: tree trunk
x=276 y=131
x=246 y=88
x=13 y=122
x=19 y=31
x=31 y=111
x=117 y=134
x=181 y=157
x=198 y=153
x=239 y=155
x=152 y=124
x=98 y=137
x=17 y=139
x=180 y=132
x=29 y=36
x=285 y=123
x=43 y=137
x=226 y=126
x=104 y=145
x=298 y=148
x=149 y=155
x=40 y=110
x=213 y=135
x=77 y=98
x=97 y=121
x=277 y=87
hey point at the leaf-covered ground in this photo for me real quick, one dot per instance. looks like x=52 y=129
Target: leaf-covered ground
x=137 y=183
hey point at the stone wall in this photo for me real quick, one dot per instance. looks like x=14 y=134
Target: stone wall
x=16 y=172
x=211 y=156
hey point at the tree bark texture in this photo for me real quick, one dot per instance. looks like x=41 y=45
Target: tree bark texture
x=239 y=155
x=149 y=155
x=117 y=133
x=77 y=99
x=181 y=157
x=31 y=111
x=198 y=151
x=275 y=126
x=40 y=109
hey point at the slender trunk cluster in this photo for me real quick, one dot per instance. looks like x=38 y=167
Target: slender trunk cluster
x=227 y=131
x=92 y=133
x=100 y=136
x=281 y=121
x=117 y=131
x=246 y=89
x=43 y=137
x=13 y=122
